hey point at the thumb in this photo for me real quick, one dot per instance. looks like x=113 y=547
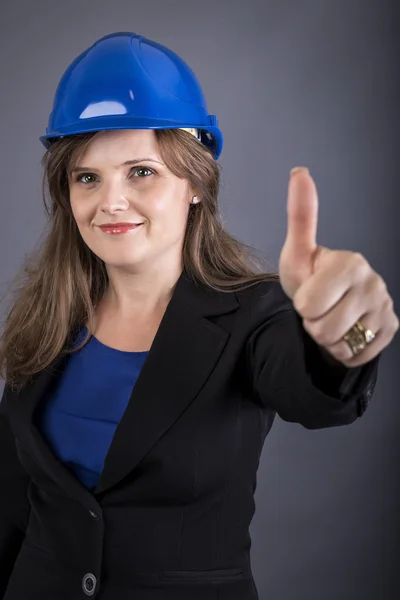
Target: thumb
x=302 y=217
x=300 y=246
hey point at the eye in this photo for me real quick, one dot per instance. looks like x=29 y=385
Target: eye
x=79 y=178
x=135 y=169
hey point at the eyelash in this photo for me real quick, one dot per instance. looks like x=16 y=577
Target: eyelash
x=79 y=177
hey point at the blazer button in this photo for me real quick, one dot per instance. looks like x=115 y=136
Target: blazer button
x=93 y=514
x=89 y=584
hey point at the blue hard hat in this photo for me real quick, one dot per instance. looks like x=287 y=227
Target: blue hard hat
x=126 y=81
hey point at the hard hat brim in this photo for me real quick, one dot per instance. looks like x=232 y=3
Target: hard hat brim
x=118 y=122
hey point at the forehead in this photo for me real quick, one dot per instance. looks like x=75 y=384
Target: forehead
x=118 y=146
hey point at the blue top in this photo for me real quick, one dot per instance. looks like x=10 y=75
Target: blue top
x=81 y=415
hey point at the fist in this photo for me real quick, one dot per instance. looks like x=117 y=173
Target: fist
x=331 y=289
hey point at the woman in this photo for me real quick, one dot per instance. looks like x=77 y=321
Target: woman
x=145 y=359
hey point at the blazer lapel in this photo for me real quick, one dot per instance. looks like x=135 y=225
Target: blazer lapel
x=183 y=354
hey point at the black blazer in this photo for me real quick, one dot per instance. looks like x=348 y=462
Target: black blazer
x=169 y=518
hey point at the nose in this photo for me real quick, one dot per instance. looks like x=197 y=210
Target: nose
x=114 y=196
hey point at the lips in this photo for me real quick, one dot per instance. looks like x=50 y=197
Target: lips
x=120 y=226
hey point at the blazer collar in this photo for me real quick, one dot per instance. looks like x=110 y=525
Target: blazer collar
x=183 y=329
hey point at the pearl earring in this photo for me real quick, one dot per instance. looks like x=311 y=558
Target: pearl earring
x=195 y=200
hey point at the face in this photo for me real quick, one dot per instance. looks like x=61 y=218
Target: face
x=105 y=190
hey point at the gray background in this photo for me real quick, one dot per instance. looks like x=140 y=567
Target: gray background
x=292 y=83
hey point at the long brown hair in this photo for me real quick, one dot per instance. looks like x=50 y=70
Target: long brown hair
x=62 y=280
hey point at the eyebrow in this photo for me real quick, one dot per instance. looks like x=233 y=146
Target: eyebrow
x=128 y=162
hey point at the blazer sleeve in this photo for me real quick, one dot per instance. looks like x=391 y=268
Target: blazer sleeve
x=290 y=375
x=14 y=504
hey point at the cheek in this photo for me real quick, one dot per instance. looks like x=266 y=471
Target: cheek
x=169 y=210
x=76 y=207
x=82 y=211
x=170 y=224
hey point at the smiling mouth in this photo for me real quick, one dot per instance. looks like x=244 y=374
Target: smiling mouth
x=120 y=229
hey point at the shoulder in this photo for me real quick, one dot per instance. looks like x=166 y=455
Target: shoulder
x=264 y=299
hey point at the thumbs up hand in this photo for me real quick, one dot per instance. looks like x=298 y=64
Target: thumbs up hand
x=331 y=289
